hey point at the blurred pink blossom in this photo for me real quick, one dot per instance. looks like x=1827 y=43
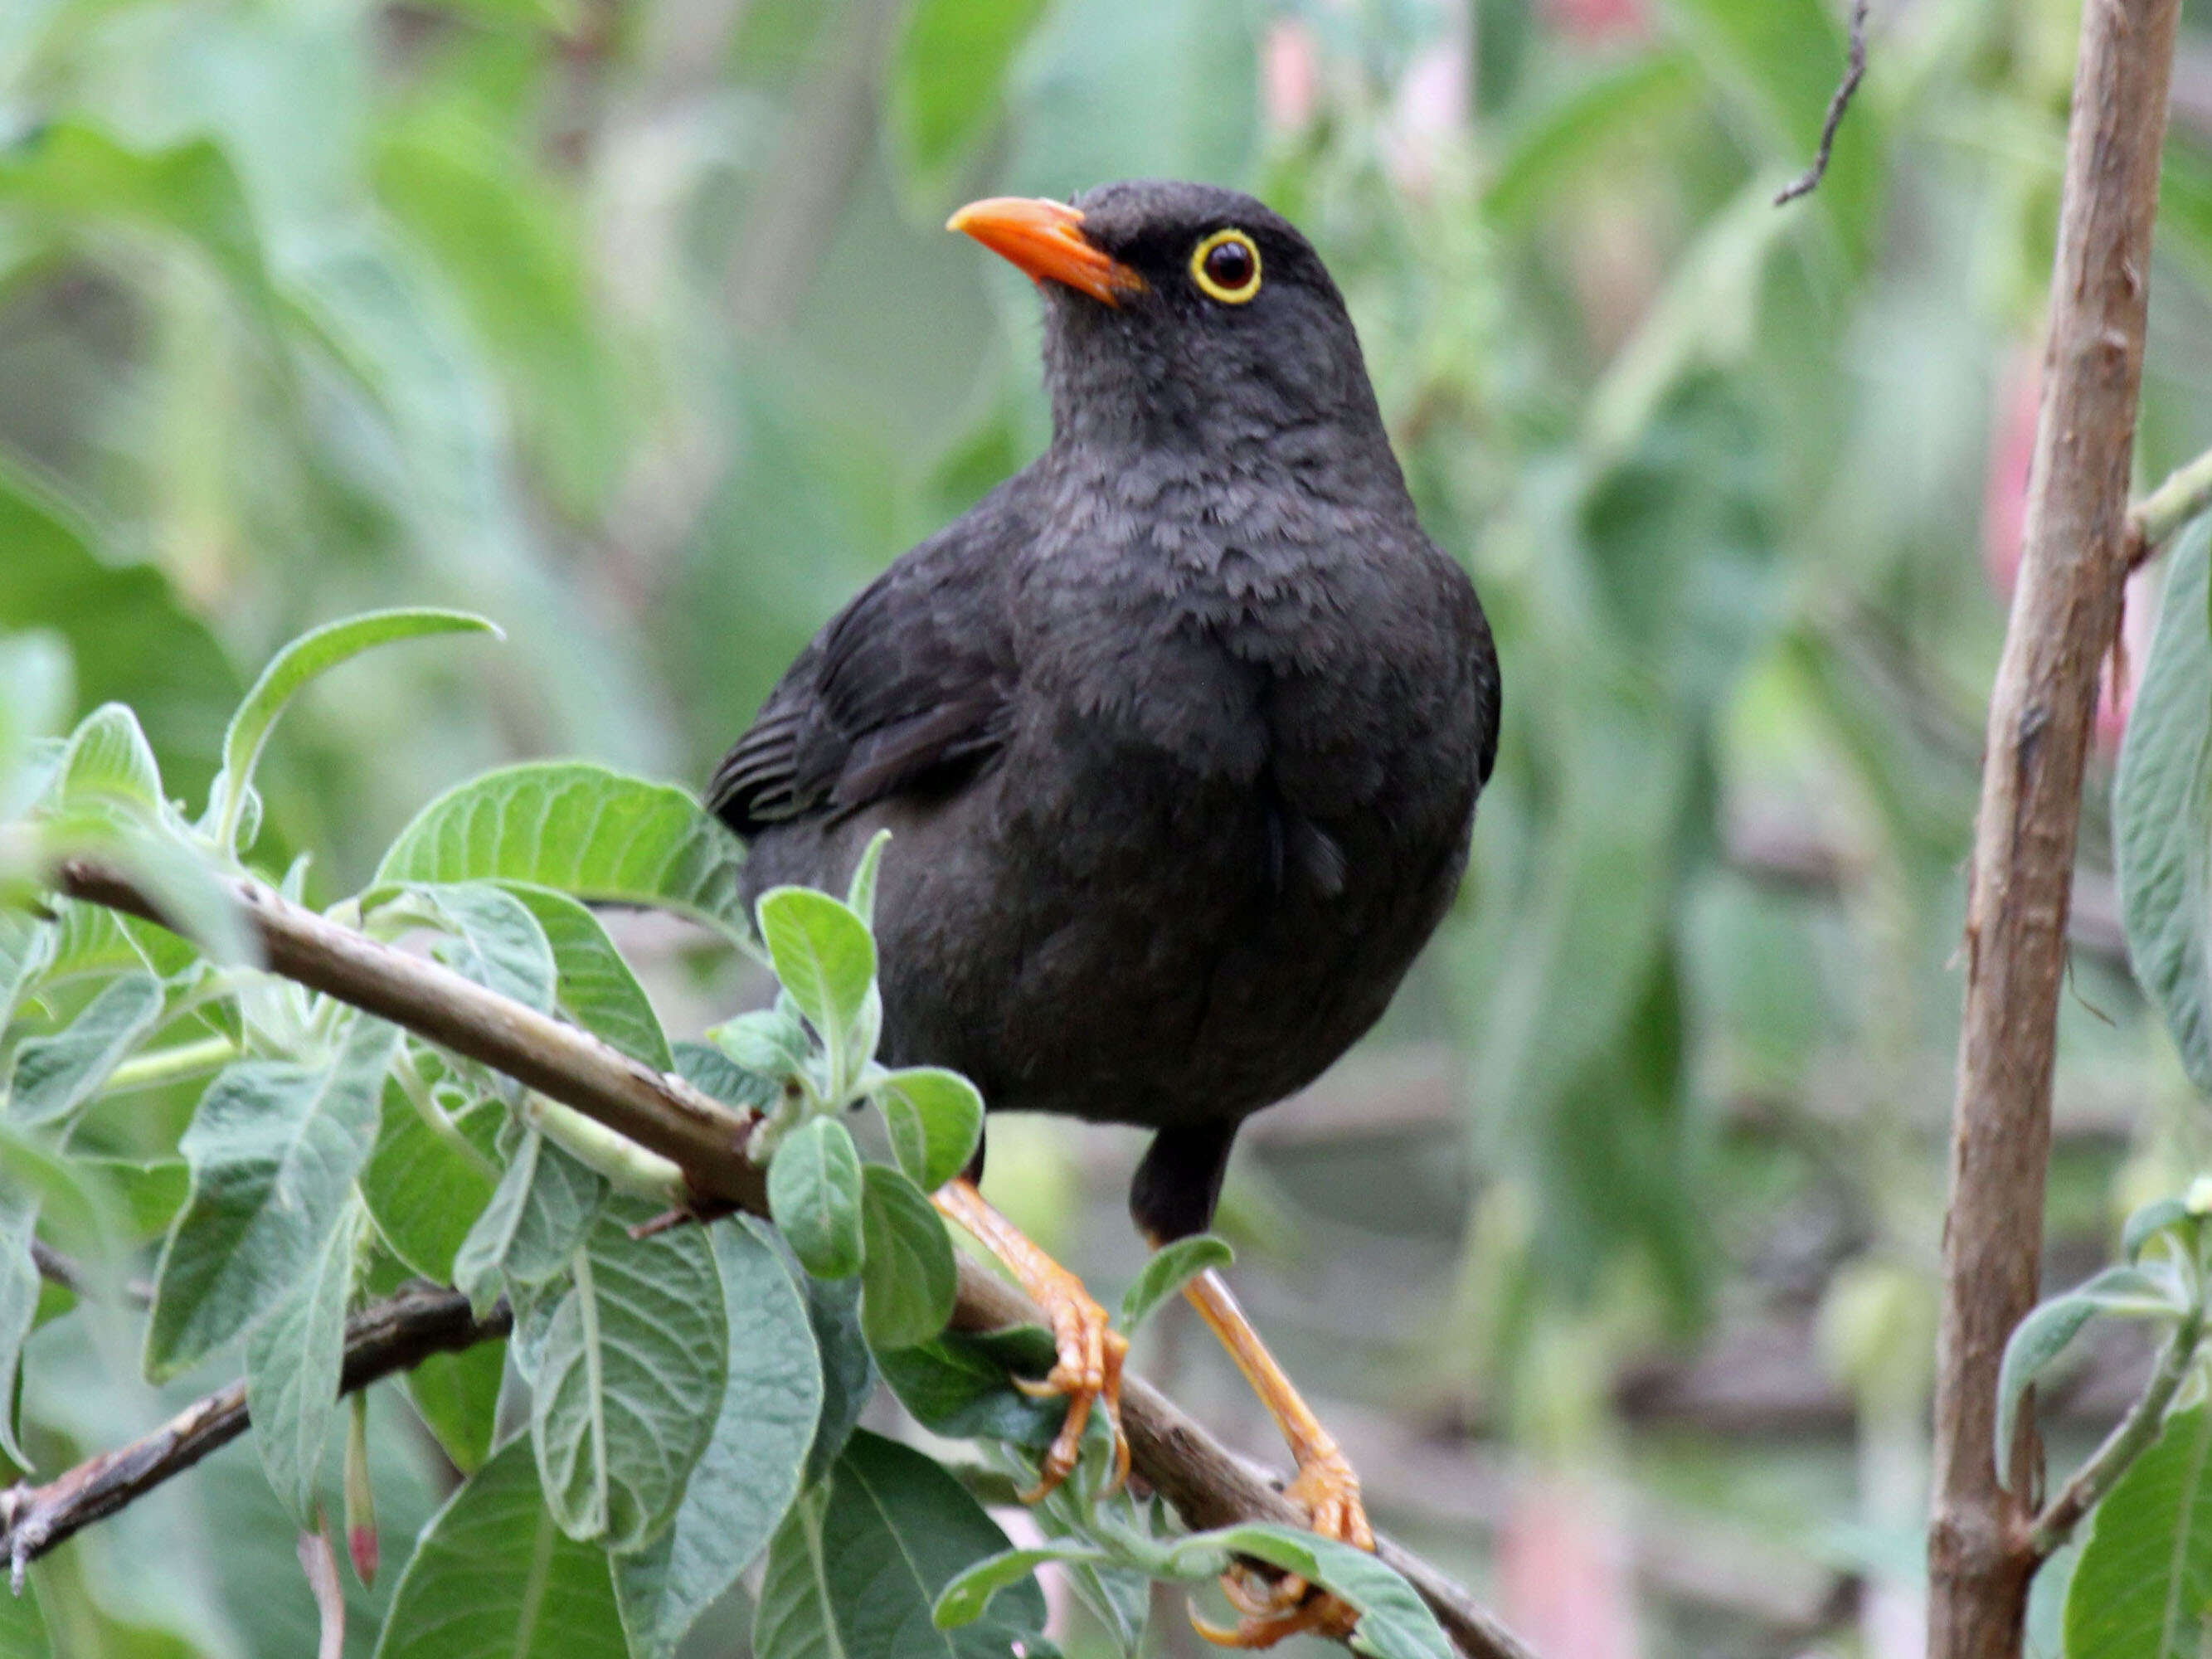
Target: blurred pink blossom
x=1563 y=1570
x=1591 y=21
x=1290 y=75
x=2004 y=523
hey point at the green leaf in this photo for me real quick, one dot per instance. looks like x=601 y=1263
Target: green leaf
x=131 y=639
x=457 y=1397
x=946 y=72
x=1623 y=102
x=956 y=1385
x=273 y=1150
x=293 y=1360
x=826 y=961
x=2143 y=1587
x=109 y=762
x=35 y=696
x=909 y=1279
x=492 y=938
x=935 y=1118
x=860 y=891
x=580 y=829
x=2148 y=1221
x=814 y=1193
x=1394 y=1623
x=545 y=1205
x=768 y=1043
x=856 y=1569
x=849 y=1369
x=510 y=247
x=592 y=985
x=968 y=1597
x=2162 y=812
x=750 y=1470
x=54 y=1075
x=1168 y=1272
x=429 y=1180
x=2038 y=1340
x=713 y=1073
x=629 y=1381
x=493 y=1578
x=313 y=653
x=19 y=1307
x=69 y=172
x=23 y=1625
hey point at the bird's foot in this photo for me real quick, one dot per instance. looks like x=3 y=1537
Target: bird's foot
x=1327 y=1488
x=1089 y=1373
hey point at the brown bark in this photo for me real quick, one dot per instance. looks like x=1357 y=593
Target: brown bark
x=2074 y=559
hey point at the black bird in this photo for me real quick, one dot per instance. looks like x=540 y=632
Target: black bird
x=1178 y=731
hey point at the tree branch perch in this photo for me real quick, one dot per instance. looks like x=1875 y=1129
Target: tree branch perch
x=2075 y=557
x=1208 y=1486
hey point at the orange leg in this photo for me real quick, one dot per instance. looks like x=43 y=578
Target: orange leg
x=1090 y=1352
x=1325 y=1486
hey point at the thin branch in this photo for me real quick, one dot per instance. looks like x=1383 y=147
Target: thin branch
x=2128 y=1440
x=2074 y=561
x=1806 y=182
x=1207 y=1485
x=70 y=1274
x=393 y=1335
x=2162 y=515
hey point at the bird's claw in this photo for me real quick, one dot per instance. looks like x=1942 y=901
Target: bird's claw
x=1270 y=1610
x=1091 y=1352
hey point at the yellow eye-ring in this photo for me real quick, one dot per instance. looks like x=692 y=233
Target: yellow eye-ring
x=1226 y=265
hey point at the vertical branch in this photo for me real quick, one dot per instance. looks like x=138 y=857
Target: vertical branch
x=2073 y=560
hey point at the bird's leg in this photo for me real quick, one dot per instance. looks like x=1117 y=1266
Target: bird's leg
x=1325 y=1486
x=1089 y=1351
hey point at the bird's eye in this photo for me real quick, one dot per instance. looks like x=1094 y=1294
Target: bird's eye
x=1226 y=265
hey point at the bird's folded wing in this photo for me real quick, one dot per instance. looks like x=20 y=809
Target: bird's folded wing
x=905 y=684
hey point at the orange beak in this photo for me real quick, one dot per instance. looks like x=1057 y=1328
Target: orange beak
x=1045 y=239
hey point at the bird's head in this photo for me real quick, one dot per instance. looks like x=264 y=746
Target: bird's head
x=1181 y=315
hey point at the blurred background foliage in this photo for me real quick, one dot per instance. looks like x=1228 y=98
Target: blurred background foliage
x=630 y=324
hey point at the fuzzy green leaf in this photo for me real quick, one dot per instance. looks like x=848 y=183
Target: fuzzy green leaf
x=54 y=1075
x=749 y=1472
x=494 y=1578
x=814 y=1193
x=273 y=1150
x=909 y=1280
x=316 y=652
x=935 y=1118
x=629 y=1381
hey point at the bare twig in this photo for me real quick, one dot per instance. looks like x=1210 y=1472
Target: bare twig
x=2072 y=562
x=1806 y=182
x=393 y=1335
x=2128 y=1440
x=70 y=1273
x=1208 y=1485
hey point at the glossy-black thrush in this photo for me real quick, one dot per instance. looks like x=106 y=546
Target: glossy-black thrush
x=1179 y=732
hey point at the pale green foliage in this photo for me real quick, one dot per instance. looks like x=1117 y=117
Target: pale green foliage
x=2143 y=1585
x=487 y=308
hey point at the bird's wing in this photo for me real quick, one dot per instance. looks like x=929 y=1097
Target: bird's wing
x=909 y=680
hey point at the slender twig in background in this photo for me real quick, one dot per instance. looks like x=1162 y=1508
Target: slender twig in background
x=2128 y=1440
x=1207 y=1485
x=393 y=1335
x=70 y=1274
x=2074 y=560
x=1805 y=183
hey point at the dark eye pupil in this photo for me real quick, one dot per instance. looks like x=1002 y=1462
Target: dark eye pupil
x=1229 y=265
